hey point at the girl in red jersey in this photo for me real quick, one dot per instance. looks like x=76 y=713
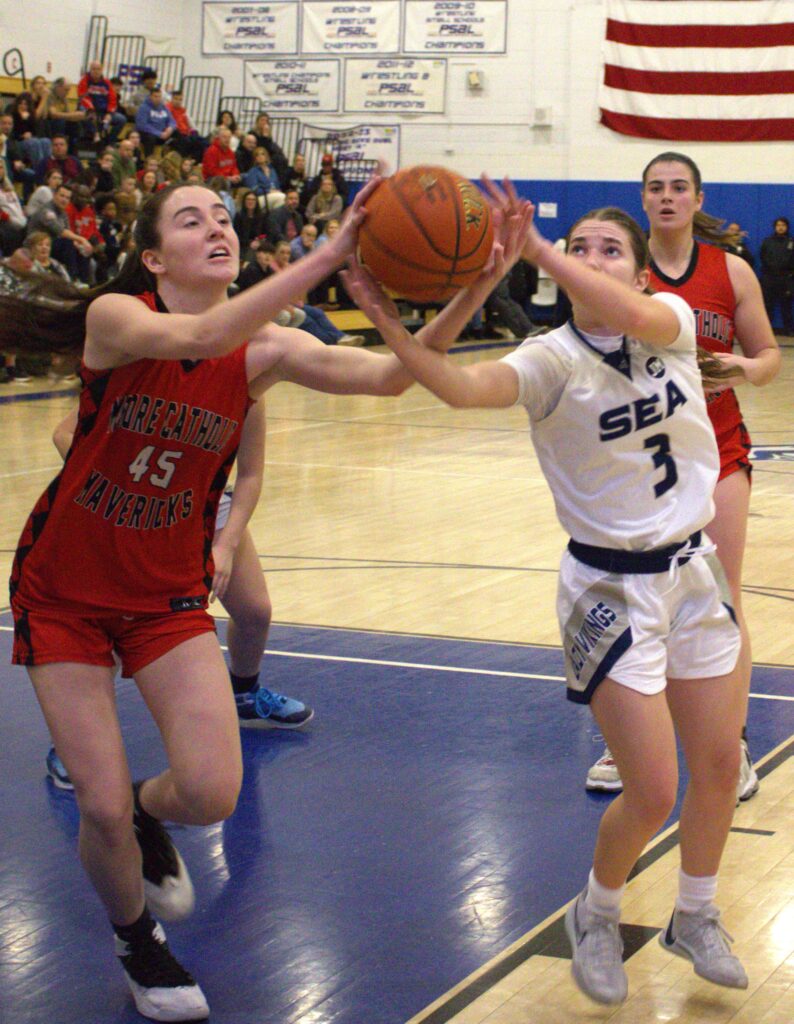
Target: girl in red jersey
x=116 y=556
x=726 y=298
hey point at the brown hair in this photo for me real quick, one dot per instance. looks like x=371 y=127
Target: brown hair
x=710 y=229
x=49 y=315
x=613 y=214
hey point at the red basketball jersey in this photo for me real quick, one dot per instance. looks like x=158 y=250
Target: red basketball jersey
x=707 y=288
x=127 y=525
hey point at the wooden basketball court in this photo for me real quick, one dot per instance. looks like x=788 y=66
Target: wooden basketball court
x=401 y=518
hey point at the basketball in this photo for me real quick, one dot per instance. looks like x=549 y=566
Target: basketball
x=427 y=233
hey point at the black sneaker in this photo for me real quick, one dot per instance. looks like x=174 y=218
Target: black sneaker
x=166 y=882
x=161 y=987
x=17 y=376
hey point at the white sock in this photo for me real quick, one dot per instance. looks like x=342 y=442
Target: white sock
x=602 y=900
x=695 y=892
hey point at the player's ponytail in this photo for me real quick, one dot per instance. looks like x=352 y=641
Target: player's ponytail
x=46 y=314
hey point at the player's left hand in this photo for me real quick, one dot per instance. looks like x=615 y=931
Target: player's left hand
x=733 y=370
x=512 y=220
x=223 y=557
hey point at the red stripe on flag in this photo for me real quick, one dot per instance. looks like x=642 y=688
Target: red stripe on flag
x=711 y=36
x=694 y=130
x=695 y=83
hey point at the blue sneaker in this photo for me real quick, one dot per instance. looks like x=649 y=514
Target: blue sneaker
x=57 y=771
x=264 y=709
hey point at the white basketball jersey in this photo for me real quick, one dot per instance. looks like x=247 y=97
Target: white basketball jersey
x=627 y=449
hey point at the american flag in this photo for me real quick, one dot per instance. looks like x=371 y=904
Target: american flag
x=700 y=70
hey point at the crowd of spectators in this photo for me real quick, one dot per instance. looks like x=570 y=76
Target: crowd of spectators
x=78 y=161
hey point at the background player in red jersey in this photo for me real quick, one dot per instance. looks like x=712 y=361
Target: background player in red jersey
x=726 y=297
x=117 y=553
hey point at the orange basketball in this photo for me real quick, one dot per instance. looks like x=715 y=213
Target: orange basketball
x=427 y=234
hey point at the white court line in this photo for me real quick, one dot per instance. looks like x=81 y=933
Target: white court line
x=432 y=668
x=29 y=472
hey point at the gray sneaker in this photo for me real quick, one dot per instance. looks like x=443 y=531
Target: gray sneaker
x=701 y=938
x=748 y=778
x=596 y=953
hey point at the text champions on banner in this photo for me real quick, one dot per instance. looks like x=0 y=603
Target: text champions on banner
x=250 y=28
x=455 y=26
x=296 y=86
x=402 y=86
x=351 y=28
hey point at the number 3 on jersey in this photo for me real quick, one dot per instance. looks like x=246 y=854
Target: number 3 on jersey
x=663 y=459
x=166 y=462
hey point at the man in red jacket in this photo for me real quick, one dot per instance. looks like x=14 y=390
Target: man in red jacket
x=98 y=98
x=219 y=160
x=185 y=140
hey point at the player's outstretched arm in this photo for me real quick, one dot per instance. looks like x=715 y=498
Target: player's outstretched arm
x=121 y=329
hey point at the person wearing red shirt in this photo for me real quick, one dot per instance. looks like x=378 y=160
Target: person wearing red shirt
x=219 y=160
x=83 y=222
x=60 y=160
x=185 y=140
x=98 y=97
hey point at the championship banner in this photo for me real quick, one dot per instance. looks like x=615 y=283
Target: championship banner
x=349 y=28
x=362 y=142
x=250 y=28
x=294 y=86
x=455 y=26
x=395 y=86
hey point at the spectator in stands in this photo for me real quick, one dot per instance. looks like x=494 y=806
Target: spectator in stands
x=313 y=186
x=258 y=268
x=304 y=243
x=98 y=98
x=59 y=159
x=331 y=293
x=508 y=319
x=61 y=117
x=147 y=186
x=245 y=152
x=325 y=205
x=118 y=84
x=83 y=222
x=154 y=121
x=221 y=186
x=38 y=245
x=286 y=223
x=26 y=129
x=249 y=224
x=128 y=200
x=739 y=248
x=296 y=174
x=261 y=178
x=13 y=221
x=185 y=140
x=152 y=164
x=12 y=156
x=39 y=91
x=111 y=230
x=124 y=164
x=777 y=273
x=220 y=160
x=226 y=119
x=141 y=93
x=43 y=194
x=316 y=322
x=262 y=131
x=69 y=248
x=102 y=170
x=134 y=137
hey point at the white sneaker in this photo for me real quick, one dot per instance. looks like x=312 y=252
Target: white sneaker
x=748 y=779
x=701 y=938
x=161 y=987
x=351 y=339
x=596 y=953
x=603 y=776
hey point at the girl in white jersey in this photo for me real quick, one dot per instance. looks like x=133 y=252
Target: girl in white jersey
x=619 y=422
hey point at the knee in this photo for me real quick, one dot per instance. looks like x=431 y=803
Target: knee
x=255 y=617
x=720 y=770
x=107 y=813
x=213 y=797
x=653 y=799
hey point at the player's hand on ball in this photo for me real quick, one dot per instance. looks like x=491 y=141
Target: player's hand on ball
x=370 y=297
x=345 y=241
